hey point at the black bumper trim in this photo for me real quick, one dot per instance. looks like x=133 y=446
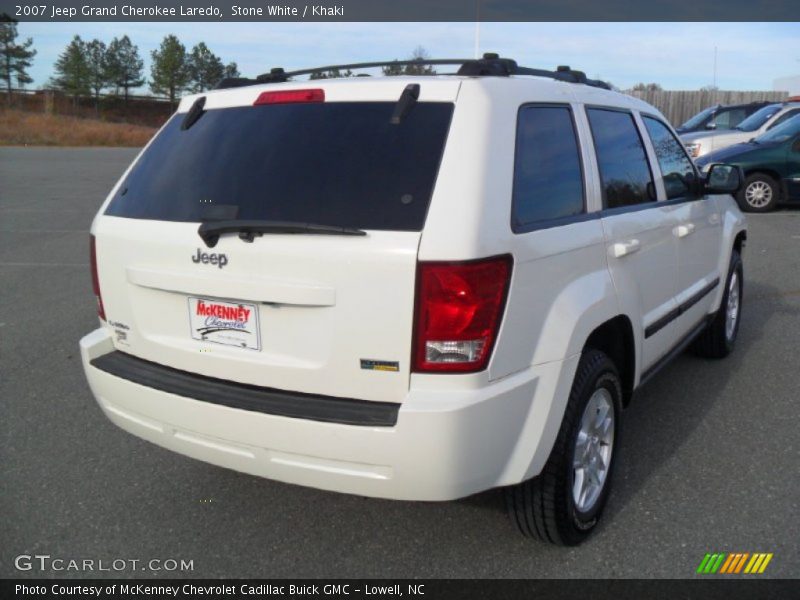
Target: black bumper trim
x=265 y=400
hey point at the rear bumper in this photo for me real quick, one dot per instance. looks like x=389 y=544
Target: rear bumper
x=444 y=445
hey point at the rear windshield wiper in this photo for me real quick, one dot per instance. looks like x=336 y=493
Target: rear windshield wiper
x=247 y=230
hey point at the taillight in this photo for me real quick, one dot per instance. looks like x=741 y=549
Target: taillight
x=458 y=311
x=101 y=312
x=291 y=97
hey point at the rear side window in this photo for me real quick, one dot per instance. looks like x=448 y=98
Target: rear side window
x=783 y=118
x=548 y=179
x=676 y=168
x=621 y=158
x=331 y=163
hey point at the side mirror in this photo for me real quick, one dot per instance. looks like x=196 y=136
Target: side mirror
x=723 y=179
x=711 y=125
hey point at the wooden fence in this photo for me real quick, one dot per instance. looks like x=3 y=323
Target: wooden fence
x=679 y=106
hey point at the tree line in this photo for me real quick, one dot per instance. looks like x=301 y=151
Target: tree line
x=90 y=67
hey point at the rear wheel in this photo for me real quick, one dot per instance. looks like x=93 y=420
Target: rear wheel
x=563 y=504
x=718 y=339
x=760 y=193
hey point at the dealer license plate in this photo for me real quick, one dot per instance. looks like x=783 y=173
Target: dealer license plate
x=229 y=323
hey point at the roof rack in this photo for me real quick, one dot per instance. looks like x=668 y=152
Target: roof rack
x=491 y=65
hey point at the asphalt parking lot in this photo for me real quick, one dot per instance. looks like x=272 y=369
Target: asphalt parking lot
x=710 y=452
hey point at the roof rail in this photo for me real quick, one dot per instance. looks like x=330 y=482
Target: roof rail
x=491 y=65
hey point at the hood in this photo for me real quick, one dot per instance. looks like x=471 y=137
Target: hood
x=732 y=154
x=705 y=136
x=727 y=155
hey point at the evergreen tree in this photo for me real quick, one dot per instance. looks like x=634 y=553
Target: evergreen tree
x=72 y=69
x=170 y=69
x=97 y=69
x=232 y=70
x=205 y=67
x=15 y=58
x=124 y=66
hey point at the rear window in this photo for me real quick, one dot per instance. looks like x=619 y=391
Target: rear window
x=338 y=163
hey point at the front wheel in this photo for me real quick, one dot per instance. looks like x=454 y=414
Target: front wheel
x=760 y=193
x=563 y=504
x=719 y=337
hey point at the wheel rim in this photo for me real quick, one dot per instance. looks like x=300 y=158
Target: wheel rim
x=593 y=447
x=758 y=194
x=732 y=310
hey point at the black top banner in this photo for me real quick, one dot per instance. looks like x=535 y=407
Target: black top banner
x=399 y=10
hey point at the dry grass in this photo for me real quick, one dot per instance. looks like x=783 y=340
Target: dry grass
x=19 y=128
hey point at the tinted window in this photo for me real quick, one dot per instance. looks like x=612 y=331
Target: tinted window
x=787 y=130
x=728 y=118
x=332 y=163
x=548 y=181
x=699 y=119
x=783 y=118
x=676 y=168
x=621 y=158
x=758 y=118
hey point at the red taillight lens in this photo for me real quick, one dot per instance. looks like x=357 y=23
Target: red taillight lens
x=101 y=312
x=458 y=313
x=291 y=97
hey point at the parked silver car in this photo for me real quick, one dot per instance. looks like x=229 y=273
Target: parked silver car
x=772 y=115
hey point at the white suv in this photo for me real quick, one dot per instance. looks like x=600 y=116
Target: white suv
x=410 y=287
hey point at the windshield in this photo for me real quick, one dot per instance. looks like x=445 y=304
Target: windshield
x=758 y=118
x=698 y=118
x=330 y=163
x=782 y=132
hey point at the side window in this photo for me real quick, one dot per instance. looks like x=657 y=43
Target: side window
x=728 y=119
x=548 y=179
x=676 y=168
x=784 y=117
x=621 y=158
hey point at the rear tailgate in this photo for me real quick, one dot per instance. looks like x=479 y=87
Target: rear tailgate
x=323 y=304
x=321 y=314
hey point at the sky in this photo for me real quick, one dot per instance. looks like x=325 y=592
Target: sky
x=749 y=56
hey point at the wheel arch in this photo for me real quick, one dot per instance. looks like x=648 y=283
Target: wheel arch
x=615 y=339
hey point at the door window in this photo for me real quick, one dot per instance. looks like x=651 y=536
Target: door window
x=621 y=159
x=677 y=170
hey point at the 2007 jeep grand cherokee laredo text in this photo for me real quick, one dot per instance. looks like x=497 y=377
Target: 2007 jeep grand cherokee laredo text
x=410 y=287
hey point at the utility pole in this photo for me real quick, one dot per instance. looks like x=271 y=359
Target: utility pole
x=715 y=67
x=477 y=28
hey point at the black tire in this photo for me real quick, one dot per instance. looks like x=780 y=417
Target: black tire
x=749 y=203
x=544 y=507
x=716 y=341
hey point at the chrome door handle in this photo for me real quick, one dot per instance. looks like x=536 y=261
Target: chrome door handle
x=620 y=249
x=683 y=230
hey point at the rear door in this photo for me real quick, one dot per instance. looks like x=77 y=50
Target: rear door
x=640 y=246
x=316 y=313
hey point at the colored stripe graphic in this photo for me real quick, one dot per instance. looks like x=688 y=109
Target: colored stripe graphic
x=741 y=562
x=703 y=563
x=764 y=564
x=734 y=563
x=727 y=564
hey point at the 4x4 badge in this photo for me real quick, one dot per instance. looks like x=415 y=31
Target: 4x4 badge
x=215 y=259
